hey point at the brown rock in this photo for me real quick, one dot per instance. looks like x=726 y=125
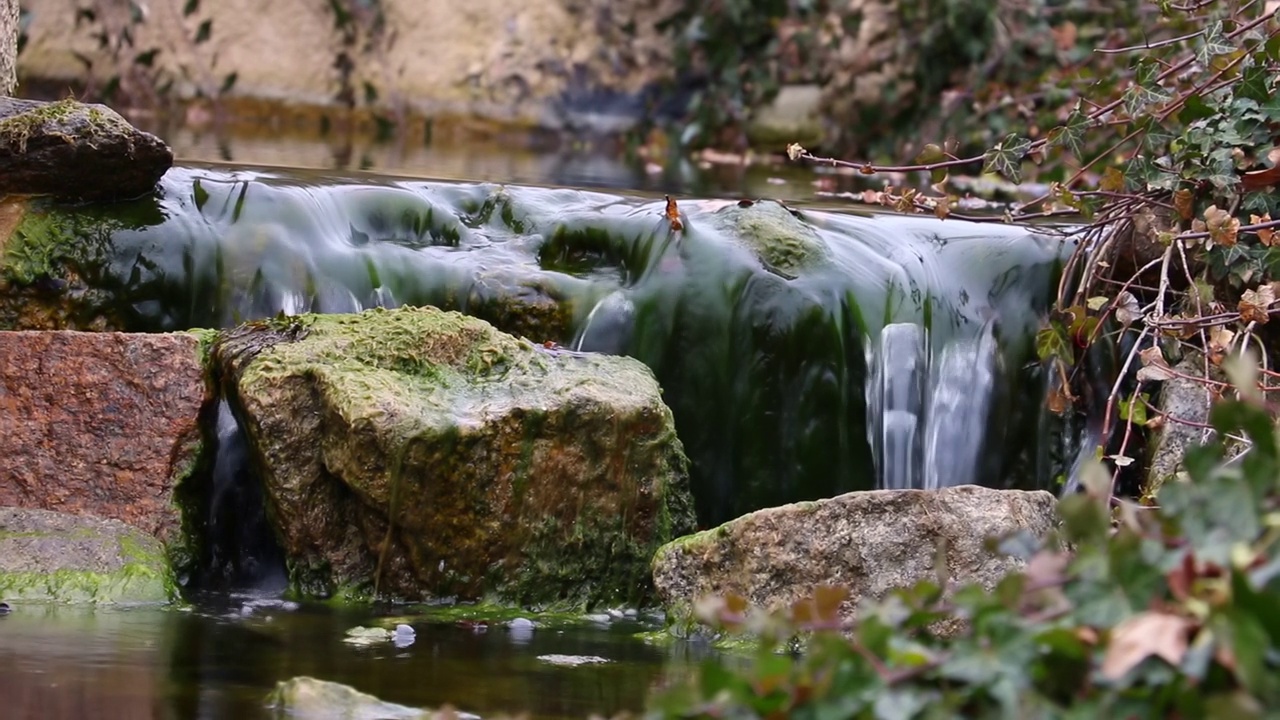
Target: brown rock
x=73 y=151
x=100 y=424
x=870 y=542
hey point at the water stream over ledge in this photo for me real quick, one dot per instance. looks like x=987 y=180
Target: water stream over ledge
x=804 y=352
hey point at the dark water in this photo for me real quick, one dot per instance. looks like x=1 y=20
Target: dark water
x=222 y=658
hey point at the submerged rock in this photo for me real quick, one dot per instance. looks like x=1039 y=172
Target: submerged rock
x=533 y=475
x=74 y=151
x=306 y=698
x=103 y=424
x=55 y=557
x=870 y=542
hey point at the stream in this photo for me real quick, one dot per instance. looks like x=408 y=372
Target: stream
x=866 y=351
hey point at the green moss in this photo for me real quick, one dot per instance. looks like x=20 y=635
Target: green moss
x=48 y=242
x=133 y=583
x=781 y=241
x=16 y=129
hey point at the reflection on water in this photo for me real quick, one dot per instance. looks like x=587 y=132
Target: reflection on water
x=513 y=158
x=221 y=661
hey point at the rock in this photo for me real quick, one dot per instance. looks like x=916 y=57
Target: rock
x=74 y=151
x=103 y=424
x=1189 y=401
x=573 y=660
x=55 y=557
x=8 y=46
x=306 y=698
x=870 y=542
x=529 y=474
x=780 y=241
x=793 y=116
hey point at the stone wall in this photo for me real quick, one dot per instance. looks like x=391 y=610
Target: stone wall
x=8 y=44
x=545 y=63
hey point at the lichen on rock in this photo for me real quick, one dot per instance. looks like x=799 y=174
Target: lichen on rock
x=506 y=470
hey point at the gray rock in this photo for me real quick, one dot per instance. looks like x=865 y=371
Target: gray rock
x=53 y=557
x=794 y=116
x=870 y=542
x=306 y=698
x=1182 y=402
x=75 y=151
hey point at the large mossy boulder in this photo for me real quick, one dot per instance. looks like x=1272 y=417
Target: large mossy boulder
x=424 y=454
x=54 y=557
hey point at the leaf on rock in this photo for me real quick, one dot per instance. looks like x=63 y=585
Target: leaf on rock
x=1154 y=366
x=1161 y=634
x=673 y=214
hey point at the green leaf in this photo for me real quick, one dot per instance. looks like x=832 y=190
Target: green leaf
x=1052 y=342
x=1193 y=109
x=204 y=31
x=1005 y=159
x=1070 y=135
x=190 y=7
x=1253 y=84
x=1215 y=43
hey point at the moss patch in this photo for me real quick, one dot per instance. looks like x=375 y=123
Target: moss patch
x=781 y=241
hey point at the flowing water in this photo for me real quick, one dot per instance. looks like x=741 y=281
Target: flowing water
x=804 y=351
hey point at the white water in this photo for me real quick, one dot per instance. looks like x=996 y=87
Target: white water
x=927 y=407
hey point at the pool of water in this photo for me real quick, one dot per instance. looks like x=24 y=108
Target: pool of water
x=221 y=657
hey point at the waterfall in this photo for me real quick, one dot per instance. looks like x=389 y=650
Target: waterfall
x=928 y=413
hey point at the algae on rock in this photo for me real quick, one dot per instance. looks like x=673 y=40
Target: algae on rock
x=54 y=557
x=506 y=470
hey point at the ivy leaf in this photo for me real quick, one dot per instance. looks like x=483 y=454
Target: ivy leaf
x=1253 y=84
x=1215 y=44
x=1005 y=158
x=1070 y=135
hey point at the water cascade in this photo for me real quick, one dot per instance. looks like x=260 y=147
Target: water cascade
x=804 y=352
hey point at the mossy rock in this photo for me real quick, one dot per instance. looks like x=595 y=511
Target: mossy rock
x=73 y=151
x=507 y=470
x=53 y=557
x=777 y=236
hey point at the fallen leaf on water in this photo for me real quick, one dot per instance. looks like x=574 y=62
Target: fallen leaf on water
x=673 y=214
x=1150 y=633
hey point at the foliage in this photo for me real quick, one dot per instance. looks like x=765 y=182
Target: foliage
x=1166 y=154
x=1155 y=612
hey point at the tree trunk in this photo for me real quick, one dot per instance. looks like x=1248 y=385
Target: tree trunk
x=8 y=46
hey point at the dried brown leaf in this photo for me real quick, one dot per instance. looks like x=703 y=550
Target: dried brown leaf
x=1266 y=236
x=1220 y=339
x=673 y=214
x=1161 y=634
x=1255 y=303
x=1221 y=226
x=1112 y=180
x=1127 y=311
x=1154 y=366
x=1182 y=202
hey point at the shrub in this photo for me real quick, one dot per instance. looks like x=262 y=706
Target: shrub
x=1154 y=612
